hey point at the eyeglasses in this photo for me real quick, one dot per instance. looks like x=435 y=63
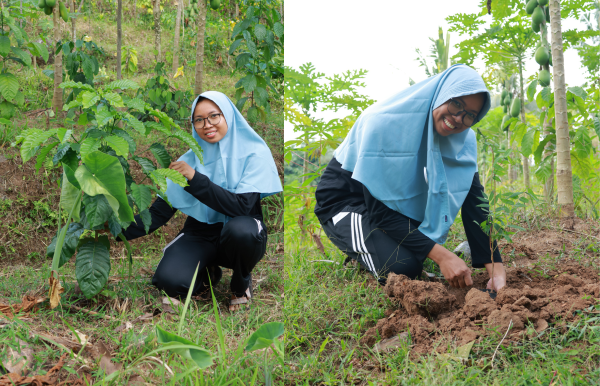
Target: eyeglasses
x=213 y=119
x=456 y=109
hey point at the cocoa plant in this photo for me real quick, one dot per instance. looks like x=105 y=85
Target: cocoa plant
x=96 y=185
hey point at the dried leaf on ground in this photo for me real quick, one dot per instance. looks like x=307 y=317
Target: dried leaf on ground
x=50 y=379
x=60 y=342
x=81 y=337
x=55 y=290
x=392 y=343
x=124 y=327
x=27 y=304
x=105 y=359
x=19 y=358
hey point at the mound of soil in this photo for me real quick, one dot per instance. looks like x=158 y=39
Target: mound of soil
x=432 y=311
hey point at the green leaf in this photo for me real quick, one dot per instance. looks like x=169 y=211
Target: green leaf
x=249 y=82
x=102 y=174
x=114 y=99
x=136 y=104
x=125 y=135
x=114 y=226
x=74 y=231
x=9 y=86
x=24 y=56
x=146 y=219
x=40 y=50
x=43 y=154
x=157 y=126
x=88 y=69
x=4 y=45
x=146 y=164
x=93 y=265
x=531 y=90
x=77 y=85
x=104 y=115
x=260 y=31
x=527 y=143
x=161 y=155
x=187 y=349
x=264 y=336
x=580 y=92
x=546 y=94
x=120 y=145
x=173 y=175
x=89 y=98
x=63 y=134
x=234 y=46
x=597 y=126
x=190 y=141
x=97 y=210
x=278 y=29
x=252 y=48
x=89 y=145
x=34 y=138
x=61 y=151
x=68 y=196
x=539 y=151
x=123 y=84
x=142 y=196
x=261 y=96
x=252 y=114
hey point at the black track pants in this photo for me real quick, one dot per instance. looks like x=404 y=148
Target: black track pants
x=351 y=231
x=240 y=246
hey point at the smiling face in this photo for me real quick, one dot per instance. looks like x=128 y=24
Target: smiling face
x=210 y=133
x=446 y=124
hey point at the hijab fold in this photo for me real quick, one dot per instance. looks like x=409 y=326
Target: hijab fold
x=241 y=162
x=395 y=152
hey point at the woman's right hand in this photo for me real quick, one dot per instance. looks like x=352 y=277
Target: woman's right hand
x=453 y=268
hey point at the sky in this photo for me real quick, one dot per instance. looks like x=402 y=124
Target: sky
x=380 y=36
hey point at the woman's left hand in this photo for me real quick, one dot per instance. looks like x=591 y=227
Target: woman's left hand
x=499 y=275
x=183 y=168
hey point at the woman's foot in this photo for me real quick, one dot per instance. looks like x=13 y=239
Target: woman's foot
x=242 y=301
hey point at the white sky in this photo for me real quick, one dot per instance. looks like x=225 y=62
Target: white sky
x=380 y=36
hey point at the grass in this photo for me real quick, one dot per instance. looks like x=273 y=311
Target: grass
x=329 y=307
x=28 y=205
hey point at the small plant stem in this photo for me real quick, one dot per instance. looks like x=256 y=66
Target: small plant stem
x=129 y=253
x=89 y=312
x=496 y=351
x=492 y=224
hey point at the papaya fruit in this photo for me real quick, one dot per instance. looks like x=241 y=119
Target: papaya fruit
x=50 y=3
x=63 y=12
x=515 y=107
x=544 y=78
x=537 y=18
x=543 y=3
x=504 y=94
x=505 y=109
x=531 y=6
x=42 y=4
x=48 y=10
x=214 y=4
x=541 y=56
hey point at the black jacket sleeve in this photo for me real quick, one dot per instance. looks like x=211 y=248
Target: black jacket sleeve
x=399 y=227
x=221 y=200
x=472 y=215
x=161 y=213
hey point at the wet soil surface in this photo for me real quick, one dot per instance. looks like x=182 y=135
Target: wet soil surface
x=433 y=312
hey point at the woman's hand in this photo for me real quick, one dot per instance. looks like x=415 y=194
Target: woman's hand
x=499 y=276
x=183 y=168
x=453 y=267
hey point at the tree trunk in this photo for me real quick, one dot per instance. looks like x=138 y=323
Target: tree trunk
x=135 y=12
x=526 y=179
x=176 y=39
x=57 y=97
x=200 y=46
x=119 y=36
x=73 y=24
x=237 y=10
x=549 y=184
x=564 y=177
x=156 y=13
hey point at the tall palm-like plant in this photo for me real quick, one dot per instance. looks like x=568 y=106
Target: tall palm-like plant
x=440 y=52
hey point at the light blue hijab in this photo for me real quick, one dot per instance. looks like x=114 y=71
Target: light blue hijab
x=241 y=162
x=395 y=152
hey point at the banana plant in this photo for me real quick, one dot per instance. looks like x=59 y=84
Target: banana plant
x=97 y=187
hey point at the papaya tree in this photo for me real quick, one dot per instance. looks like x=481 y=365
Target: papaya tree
x=119 y=36
x=176 y=37
x=97 y=186
x=199 y=70
x=440 y=52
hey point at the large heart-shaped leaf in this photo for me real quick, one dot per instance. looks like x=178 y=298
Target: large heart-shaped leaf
x=265 y=336
x=102 y=174
x=200 y=356
x=74 y=231
x=69 y=195
x=92 y=265
x=97 y=210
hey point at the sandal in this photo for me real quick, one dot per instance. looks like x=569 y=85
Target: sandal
x=237 y=303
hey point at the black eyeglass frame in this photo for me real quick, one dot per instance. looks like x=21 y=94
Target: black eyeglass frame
x=207 y=118
x=475 y=120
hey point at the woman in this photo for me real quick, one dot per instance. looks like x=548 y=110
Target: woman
x=225 y=226
x=397 y=182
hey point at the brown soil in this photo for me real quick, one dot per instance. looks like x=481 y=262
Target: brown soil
x=433 y=312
